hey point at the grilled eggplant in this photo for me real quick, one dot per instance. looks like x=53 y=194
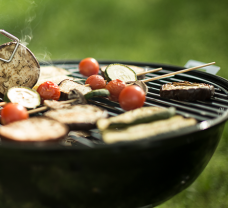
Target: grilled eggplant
x=187 y=91
x=36 y=129
x=78 y=117
x=142 y=131
x=23 y=70
x=67 y=85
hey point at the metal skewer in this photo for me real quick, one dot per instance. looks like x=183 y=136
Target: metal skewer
x=12 y=37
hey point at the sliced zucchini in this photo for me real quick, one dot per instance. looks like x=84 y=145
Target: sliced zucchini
x=97 y=93
x=25 y=96
x=137 y=70
x=139 y=115
x=120 y=71
x=142 y=131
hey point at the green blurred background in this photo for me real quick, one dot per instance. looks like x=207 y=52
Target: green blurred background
x=158 y=31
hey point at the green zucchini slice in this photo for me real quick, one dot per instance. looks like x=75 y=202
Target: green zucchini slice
x=24 y=96
x=120 y=71
x=137 y=116
x=97 y=93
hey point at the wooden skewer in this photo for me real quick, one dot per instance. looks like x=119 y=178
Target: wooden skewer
x=37 y=110
x=139 y=74
x=43 y=108
x=177 y=72
x=3 y=103
x=150 y=71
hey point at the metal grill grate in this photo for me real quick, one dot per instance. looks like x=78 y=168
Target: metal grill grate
x=200 y=110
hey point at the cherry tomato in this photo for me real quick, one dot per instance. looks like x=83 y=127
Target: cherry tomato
x=115 y=87
x=88 y=67
x=96 y=82
x=49 y=91
x=132 y=97
x=13 y=112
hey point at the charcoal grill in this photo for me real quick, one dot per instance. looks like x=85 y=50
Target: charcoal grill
x=125 y=174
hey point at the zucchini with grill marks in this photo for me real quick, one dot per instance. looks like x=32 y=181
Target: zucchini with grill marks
x=120 y=71
x=97 y=93
x=139 y=115
x=24 y=96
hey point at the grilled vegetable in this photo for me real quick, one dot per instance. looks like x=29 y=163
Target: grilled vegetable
x=96 y=82
x=187 y=91
x=140 y=84
x=97 y=93
x=132 y=97
x=67 y=85
x=53 y=104
x=142 y=131
x=49 y=91
x=24 y=96
x=76 y=94
x=120 y=71
x=115 y=87
x=137 y=116
x=88 y=67
x=78 y=117
x=135 y=68
x=36 y=129
x=23 y=70
x=13 y=112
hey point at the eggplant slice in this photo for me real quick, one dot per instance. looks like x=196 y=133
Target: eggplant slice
x=187 y=91
x=23 y=70
x=36 y=129
x=78 y=117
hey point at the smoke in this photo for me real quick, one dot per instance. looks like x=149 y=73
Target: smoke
x=26 y=32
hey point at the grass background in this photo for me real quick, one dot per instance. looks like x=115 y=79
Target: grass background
x=159 y=31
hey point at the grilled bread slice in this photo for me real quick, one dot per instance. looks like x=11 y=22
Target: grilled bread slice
x=35 y=129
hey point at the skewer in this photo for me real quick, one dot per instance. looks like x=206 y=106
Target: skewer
x=150 y=71
x=3 y=103
x=139 y=74
x=43 y=108
x=177 y=72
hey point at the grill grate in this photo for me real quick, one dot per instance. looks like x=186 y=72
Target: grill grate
x=200 y=110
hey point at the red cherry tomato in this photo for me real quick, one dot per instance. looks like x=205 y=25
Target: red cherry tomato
x=88 y=67
x=132 y=97
x=13 y=112
x=49 y=91
x=115 y=87
x=96 y=82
